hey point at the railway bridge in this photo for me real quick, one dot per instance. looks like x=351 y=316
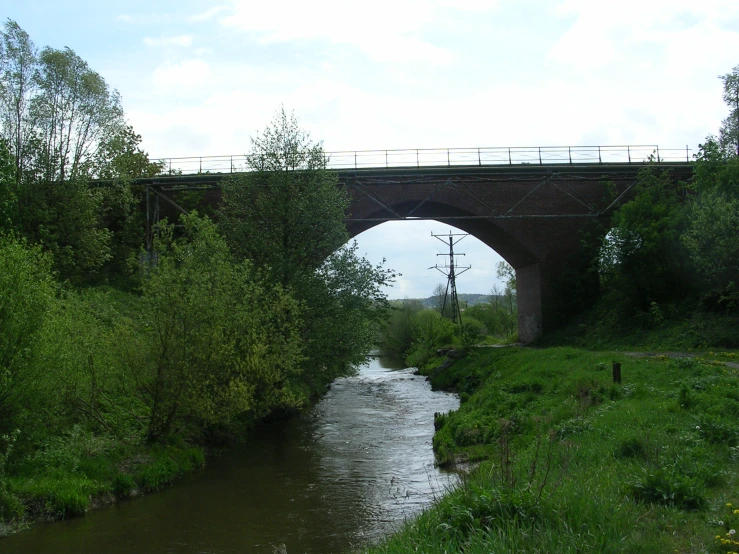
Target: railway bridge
x=527 y=204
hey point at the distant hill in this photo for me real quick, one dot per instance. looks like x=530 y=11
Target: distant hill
x=470 y=299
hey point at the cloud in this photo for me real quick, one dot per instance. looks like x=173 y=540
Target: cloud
x=384 y=30
x=604 y=33
x=183 y=41
x=410 y=249
x=209 y=14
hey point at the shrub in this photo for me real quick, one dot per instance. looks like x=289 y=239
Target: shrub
x=668 y=486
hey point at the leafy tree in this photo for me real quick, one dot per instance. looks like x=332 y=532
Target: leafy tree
x=430 y=331
x=286 y=216
x=17 y=86
x=9 y=215
x=224 y=348
x=63 y=124
x=74 y=113
x=437 y=298
x=120 y=157
x=65 y=218
x=505 y=271
x=396 y=337
x=26 y=293
x=729 y=134
x=642 y=259
x=711 y=237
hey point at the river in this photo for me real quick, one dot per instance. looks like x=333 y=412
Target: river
x=339 y=476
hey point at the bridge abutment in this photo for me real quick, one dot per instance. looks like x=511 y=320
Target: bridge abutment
x=528 y=297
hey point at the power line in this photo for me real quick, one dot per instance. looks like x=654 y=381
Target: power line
x=451 y=271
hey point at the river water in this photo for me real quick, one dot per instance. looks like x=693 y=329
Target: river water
x=341 y=475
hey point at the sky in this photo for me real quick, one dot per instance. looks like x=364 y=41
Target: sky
x=201 y=77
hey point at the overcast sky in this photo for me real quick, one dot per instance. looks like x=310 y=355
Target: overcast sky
x=201 y=77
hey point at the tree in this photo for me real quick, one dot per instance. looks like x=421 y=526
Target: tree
x=642 y=259
x=9 y=214
x=63 y=124
x=505 y=271
x=286 y=216
x=26 y=291
x=438 y=297
x=75 y=113
x=17 y=86
x=711 y=236
x=729 y=133
x=224 y=348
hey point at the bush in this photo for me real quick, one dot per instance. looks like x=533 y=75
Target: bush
x=669 y=487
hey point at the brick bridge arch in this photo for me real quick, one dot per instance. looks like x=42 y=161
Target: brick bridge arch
x=531 y=213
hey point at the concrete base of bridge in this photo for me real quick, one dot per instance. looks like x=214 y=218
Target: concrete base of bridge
x=528 y=295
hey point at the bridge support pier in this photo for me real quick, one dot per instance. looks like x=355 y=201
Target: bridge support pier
x=528 y=296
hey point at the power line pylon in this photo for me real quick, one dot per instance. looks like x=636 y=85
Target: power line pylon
x=451 y=272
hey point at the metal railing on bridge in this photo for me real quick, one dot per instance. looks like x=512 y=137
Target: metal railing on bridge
x=436 y=157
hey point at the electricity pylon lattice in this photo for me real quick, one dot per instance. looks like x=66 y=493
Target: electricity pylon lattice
x=451 y=271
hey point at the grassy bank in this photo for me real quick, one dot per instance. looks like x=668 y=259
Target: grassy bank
x=568 y=461
x=55 y=470
x=75 y=473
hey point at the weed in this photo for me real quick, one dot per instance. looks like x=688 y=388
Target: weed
x=668 y=487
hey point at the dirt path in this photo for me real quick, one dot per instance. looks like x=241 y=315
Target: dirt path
x=671 y=354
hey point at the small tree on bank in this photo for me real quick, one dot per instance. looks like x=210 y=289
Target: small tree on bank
x=286 y=215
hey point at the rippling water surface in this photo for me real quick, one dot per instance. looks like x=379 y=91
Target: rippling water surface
x=335 y=478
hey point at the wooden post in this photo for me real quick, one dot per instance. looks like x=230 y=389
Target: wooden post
x=617 y=372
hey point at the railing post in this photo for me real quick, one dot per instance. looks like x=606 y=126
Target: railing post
x=418 y=163
x=170 y=166
x=628 y=151
x=600 y=160
x=540 y=155
x=232 y=164
x=448 y=159
x=386 y=166
x=687 y=154
x=510 y=161
x=569 y=153
x=201 y=164
x=658 y=158
x=479 y=159
x=355 y=159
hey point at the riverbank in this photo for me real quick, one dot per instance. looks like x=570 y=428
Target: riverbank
x=570 y=461
x=81 y=435
x=343 y=473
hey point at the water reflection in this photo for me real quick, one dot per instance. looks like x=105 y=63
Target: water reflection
x=343 y=474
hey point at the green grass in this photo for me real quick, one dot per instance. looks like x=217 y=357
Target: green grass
x=65 y=481
x=568 y=461
x=698 y=330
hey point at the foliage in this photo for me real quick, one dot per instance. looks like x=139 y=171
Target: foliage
x=559 y=449
x=223 y=346
x=642 y=259
x=286 y=217
x=62 y=125
x=396 y=336
x=288 y=200
x=26 y=293
x=430 y=332
x=9 y=214
x=74 y=113
x=729 y=134
x=18 y=78
x=714 y=222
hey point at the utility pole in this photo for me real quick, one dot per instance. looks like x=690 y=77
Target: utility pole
x=451 y=272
